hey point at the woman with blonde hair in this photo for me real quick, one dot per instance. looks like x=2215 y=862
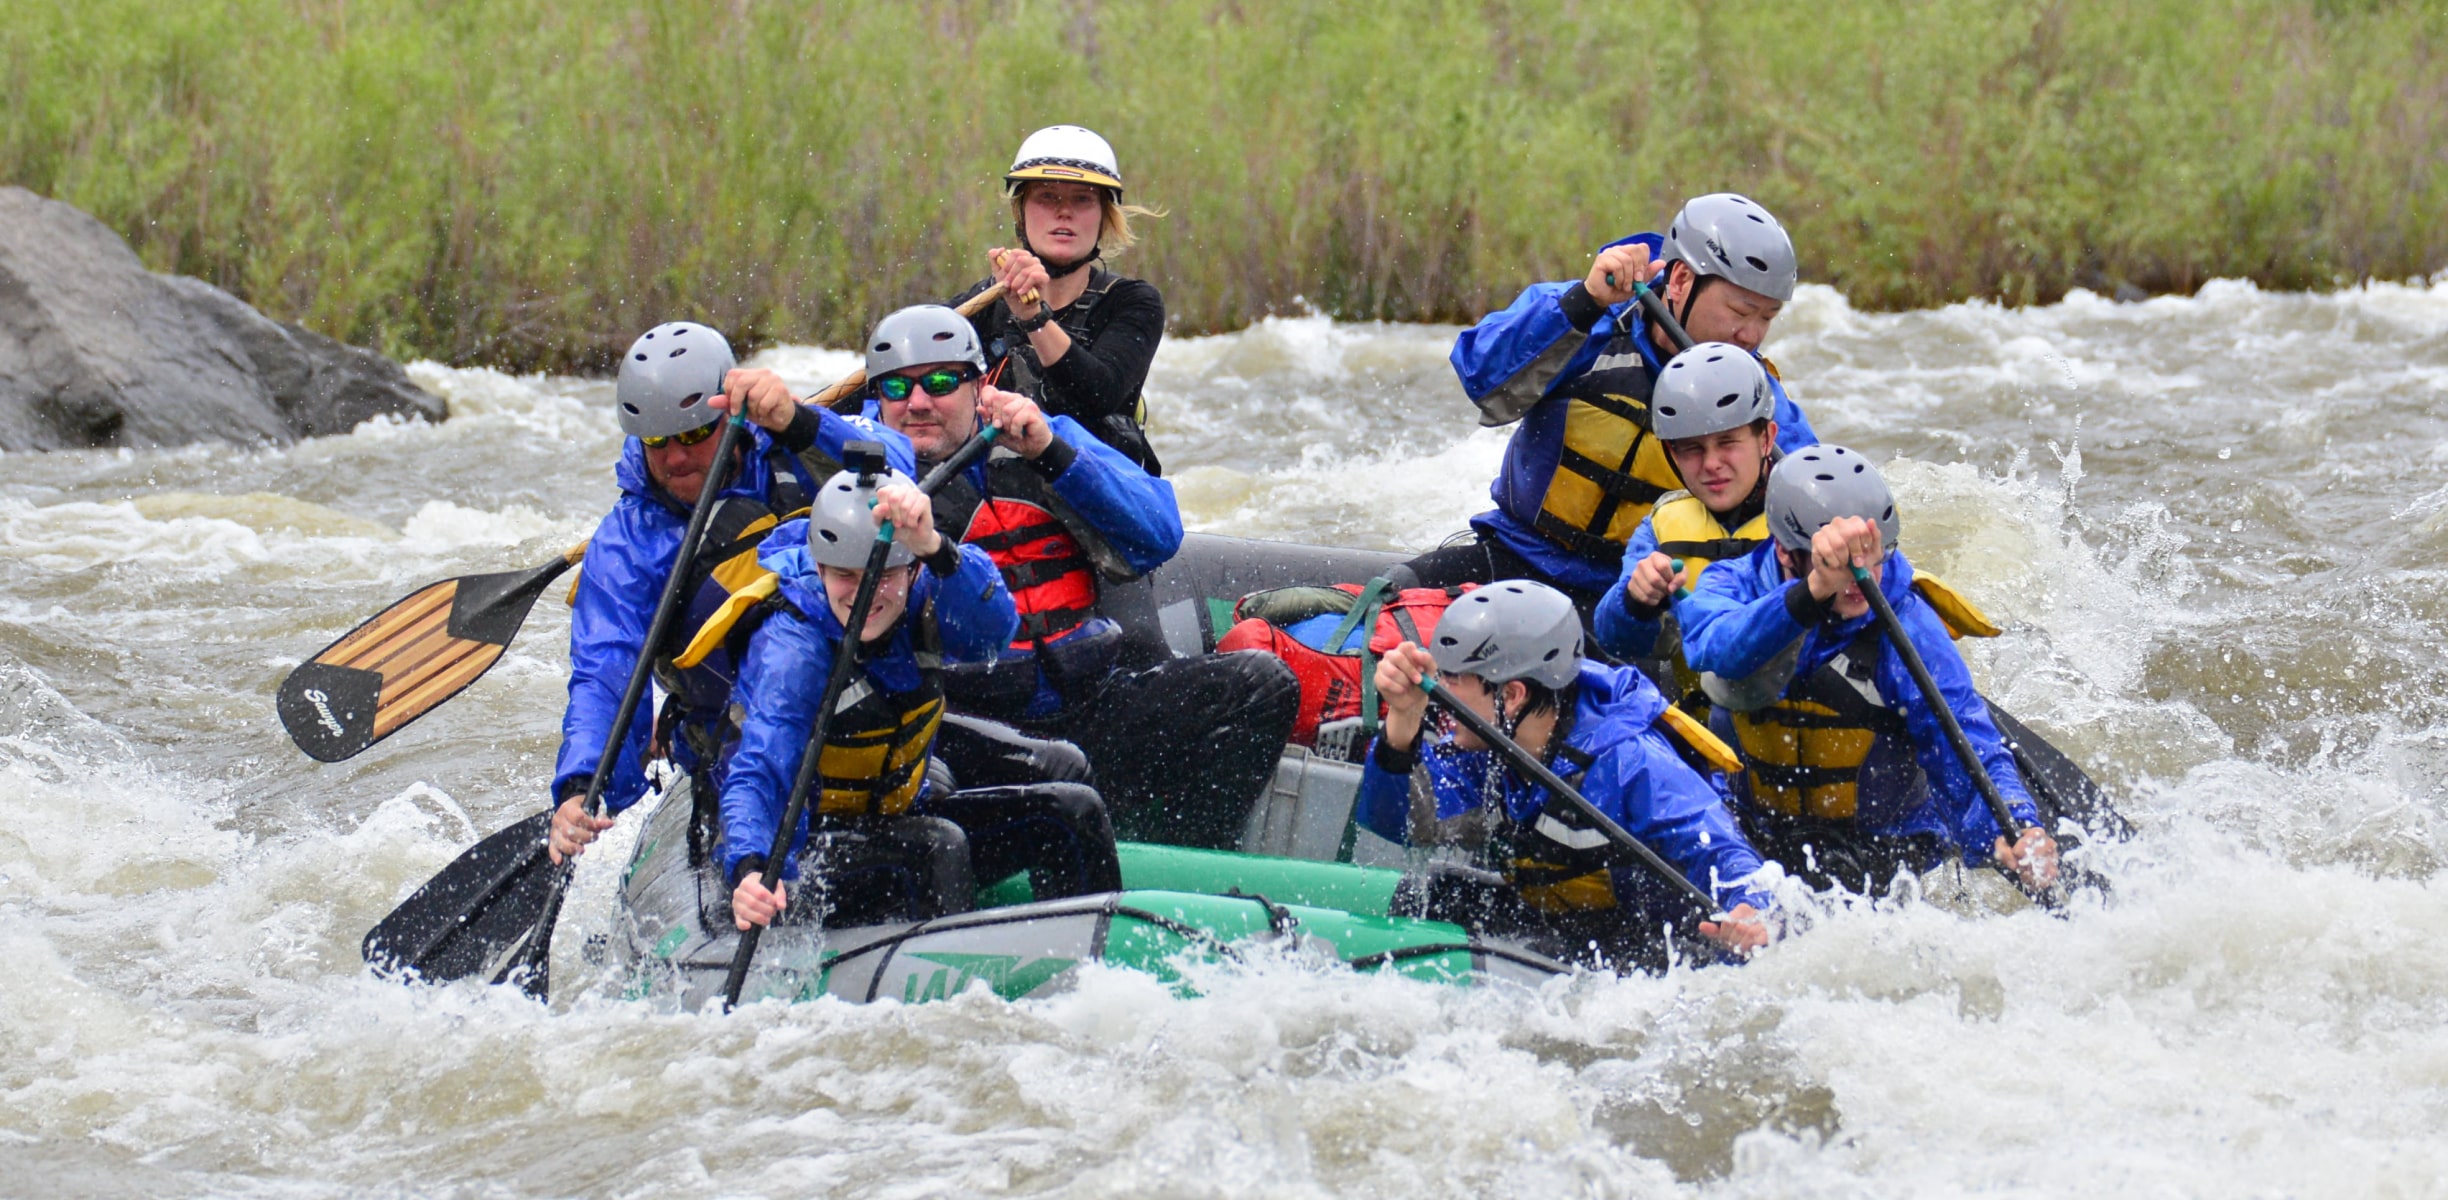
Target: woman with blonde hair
x=1078 y=338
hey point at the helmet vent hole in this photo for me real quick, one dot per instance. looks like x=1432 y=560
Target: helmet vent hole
x=1666 y=411
x=631 y=409
x=828 y=535
x=677 y=351
x=943 y=335
x=1858 y=468
x=1757 y=263
x=692 y=399
x=641 y=356
x=1728 y=398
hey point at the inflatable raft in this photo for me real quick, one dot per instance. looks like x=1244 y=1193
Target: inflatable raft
x=1304 y=872
x=1178 y=908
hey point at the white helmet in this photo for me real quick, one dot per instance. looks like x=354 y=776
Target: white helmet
x=1727 y=235
x=667 y=376
x=1511 y=629
x=1710 y=388
x=842 y=524
x=1069 y=153
x=922 y=334
x=1817 y=484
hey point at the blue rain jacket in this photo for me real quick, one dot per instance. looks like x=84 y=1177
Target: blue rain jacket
x=1635 y=777
x=791 y=656
x=627 y=563
x=1134 y=511
x=1619 y=632
x=1511 y=362
x=1736 y=620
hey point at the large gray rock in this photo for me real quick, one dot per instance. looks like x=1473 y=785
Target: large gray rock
x=95 y=350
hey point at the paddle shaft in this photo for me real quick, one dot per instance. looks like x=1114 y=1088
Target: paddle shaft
x=733 y=434
x=1528 y=763
x=837 y=396
x=1937 y=702
x=668 y=606
x=844 y=659
x=1655 y=305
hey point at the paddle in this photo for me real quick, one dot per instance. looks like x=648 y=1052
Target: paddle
x=442 y=927
x=1930 y=695
x=404 y=661
x=844 y=658
x=1528 y=763
x=842 y=397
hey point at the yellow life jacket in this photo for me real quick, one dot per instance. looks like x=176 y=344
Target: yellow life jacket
x=873 y=762
x=1687 y=530
x=1608 y=474
x=1804 y=752
x=874 y=757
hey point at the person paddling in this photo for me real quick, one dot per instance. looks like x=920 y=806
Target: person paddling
x=1848 y=776
x=1574 y=364
x=1714 y=410
x=897 y=846
x=1181 y=748
x=676 y=384
x=1511 y=652
x=1078 y=338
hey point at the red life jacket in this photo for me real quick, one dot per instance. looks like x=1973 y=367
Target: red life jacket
x=1050 y=558
x=1331 y=684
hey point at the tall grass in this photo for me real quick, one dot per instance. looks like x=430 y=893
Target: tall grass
x=529 y=182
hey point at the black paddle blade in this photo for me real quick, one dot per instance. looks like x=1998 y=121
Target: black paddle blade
x=406 y=660
x=480 y=916
x=2059 y=787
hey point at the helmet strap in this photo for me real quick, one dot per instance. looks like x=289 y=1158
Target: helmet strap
x=1020 y=231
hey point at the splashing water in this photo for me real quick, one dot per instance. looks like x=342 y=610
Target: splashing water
x=2213 y=526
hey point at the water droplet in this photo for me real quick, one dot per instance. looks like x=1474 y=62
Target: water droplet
x=2226 y=452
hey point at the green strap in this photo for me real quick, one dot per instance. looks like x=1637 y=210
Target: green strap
x=1364 y=615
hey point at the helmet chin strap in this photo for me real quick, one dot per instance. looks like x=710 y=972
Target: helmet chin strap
x=1020 y=231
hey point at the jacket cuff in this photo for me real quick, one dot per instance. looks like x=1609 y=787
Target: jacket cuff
x=1645 y=612
x=1057 y=458
x=1393 y=761
x=1808 y=611
x=1581 y=308
x=945 y=562
x=751 y=865
x=801 y=433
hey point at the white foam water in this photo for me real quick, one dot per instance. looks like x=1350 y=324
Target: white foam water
x=2210 y=524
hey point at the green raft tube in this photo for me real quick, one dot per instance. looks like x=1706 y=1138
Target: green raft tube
x=1177 y=907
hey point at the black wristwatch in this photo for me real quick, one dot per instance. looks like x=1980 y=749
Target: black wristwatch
x=1045 y=313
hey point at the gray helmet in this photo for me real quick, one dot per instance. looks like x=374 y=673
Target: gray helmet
x=1817 y=484
x=842 y=524
x=921 y=334
x=1727 y=235
x=1710 y=388
x=667 y=376
x=1511 y=629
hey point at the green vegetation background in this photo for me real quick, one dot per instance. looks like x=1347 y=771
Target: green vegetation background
x=528 y=182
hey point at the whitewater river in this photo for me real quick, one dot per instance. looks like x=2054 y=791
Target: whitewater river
x=2214 y=526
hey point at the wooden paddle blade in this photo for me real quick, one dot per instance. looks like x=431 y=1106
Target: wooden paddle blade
x=477 y=917
x=406 y=660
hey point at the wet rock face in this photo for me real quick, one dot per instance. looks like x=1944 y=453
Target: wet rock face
x=97 y=351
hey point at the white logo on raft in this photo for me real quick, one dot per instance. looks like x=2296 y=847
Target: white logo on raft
x=323 y=712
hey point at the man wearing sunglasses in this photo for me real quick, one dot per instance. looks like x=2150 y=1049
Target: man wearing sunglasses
x=677 y=383
x=1179 y=749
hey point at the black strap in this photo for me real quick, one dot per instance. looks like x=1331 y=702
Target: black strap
x=1020 y=577
x=1631 y=489
x=1713 y=550
x=1574 y=539
x=1047 y=623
